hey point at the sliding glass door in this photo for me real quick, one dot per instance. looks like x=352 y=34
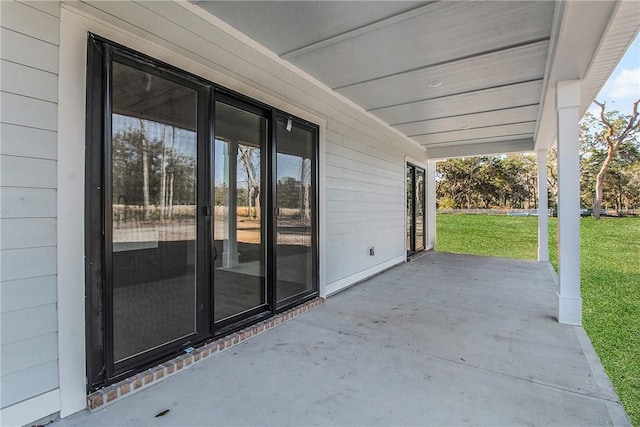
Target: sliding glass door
x=415 y=209
x=201 y=211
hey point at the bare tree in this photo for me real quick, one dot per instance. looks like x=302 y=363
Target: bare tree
x=614 y=135
x=247 y=155
x=144 y=151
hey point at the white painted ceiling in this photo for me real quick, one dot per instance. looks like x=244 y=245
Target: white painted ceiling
x=445 y=74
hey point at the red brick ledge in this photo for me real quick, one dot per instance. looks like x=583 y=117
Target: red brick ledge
x=106 y=396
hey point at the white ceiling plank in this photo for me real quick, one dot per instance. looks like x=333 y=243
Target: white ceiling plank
x=470 y=134
x=285 y=26
x=489 y=118
x=361 y=30
x=522 y=63
x=490 y=99
x=450 y=32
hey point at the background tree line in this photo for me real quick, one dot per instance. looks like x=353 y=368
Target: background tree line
x=609 y=163
x=148 y=173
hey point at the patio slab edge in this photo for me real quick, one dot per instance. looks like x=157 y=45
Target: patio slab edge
x=129 y=386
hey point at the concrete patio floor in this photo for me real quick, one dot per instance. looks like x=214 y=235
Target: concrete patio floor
x=442 y=340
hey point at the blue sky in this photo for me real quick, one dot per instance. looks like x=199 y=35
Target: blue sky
x=623 y=87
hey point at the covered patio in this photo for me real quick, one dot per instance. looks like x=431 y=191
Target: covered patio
x=445 y=339
x=382 y=91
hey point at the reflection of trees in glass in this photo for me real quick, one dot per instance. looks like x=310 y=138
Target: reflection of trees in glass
x=148 y=172
x=292 y=194
x=220 y=193
x=289 y=192
x=250 y=160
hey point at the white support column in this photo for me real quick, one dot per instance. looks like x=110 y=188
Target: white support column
x=430 y=206
x=569 y=300
x=543 y=208
x=230 y=241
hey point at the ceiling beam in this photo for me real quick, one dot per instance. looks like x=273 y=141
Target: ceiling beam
x=480 y=149
x=497 y=117
x=466 y=92
x=473 y=102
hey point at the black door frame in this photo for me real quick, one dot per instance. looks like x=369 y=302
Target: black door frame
x=413 y=246
x=101 y=369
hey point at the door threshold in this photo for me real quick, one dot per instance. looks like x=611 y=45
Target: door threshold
x=416 y=255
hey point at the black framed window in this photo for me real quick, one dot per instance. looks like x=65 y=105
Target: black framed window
x=415 y=231
x=201 y=211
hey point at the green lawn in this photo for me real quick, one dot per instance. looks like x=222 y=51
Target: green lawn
x=610 y=269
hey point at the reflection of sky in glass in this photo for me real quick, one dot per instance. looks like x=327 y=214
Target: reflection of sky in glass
x=182 y=140
x=291 y=166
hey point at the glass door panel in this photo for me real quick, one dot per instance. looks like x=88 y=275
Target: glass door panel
x=415 y=209
x=295 y=206
x=153 y=183
x=419 y=209
x=239 y=284
x=410 y=215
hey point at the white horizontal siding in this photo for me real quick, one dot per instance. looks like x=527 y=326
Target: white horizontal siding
x=28 y=142
x=28 y=323
x=363 y=206
x=27 y=172
x=363 y=174
x=24 y=19
x=30 y=382
x=364 y=202
x=24 y=111
x=25 y=50
x=31 y=82
x=30 y=35
x=345 y=216
x=46 y=6
x=365 y=166
x=24 y=354
x=365 y=155
x=26 y=293
x=17 y=202
x=334 y=183
x=20 y=233
x=29 y=262
x=358 y=228
x=367 y=195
